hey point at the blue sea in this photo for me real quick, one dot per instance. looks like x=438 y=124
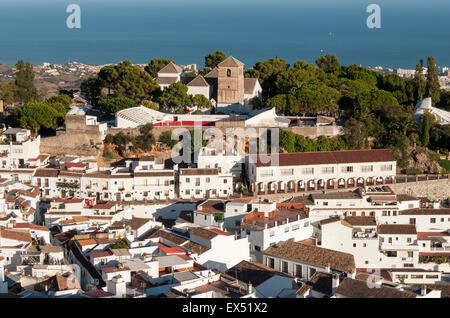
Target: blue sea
x=250 y=30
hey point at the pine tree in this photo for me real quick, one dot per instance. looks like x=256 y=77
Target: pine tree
x=26 y=91
x=419 y=82
x=433 y=88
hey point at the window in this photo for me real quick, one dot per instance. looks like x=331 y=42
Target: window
x=284 y=266
x=432 y=276
x=270 y=262
x=188 y=180
x=286 y=229
x=347 y=169
x=272 y=233
x=354 y=244
x=386 y=168
x=287 y=172
x=197 y=182
x=308 y=171
x=306 y=224
x=368 y=168
x=408 y=240
x=225 y=180
x=257 y=248
x=326 y=170
x=295 y=227
x=228 y=73
x=433 y=220
x=410 y=254
x=298 y=270
x=311 y=272
x=267 y=173
x=416 y=276
x=188 y=191
x=208 y=180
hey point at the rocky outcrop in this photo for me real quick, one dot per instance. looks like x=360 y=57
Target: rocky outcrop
x=421 y=161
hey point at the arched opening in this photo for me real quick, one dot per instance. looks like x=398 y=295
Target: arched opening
x=360 y=181
x=351 y=182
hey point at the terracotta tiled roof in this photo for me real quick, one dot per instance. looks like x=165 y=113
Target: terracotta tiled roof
x=16 y=235
x=198 y=172
x=195 y=248
x=154 y=174
x=249 y=85
x=361 y=220
x=204 y=233
x=359 y=289
x=330 y=157
x=313 y=255
x=171 y=68
x=168 y=236
x=425 y=212
x=251 y=272
x=320 y=282
x=213 y=74
x=199 y=81
x=426 y=236
x=396 y=229
x=230 y=62
x=87 y=242
x=49 y=173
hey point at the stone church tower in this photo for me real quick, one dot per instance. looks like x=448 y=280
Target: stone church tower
x=230 y=82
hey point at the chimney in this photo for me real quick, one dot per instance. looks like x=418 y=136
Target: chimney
x=423 y=290
x=328 y=268
x=334 y=282
x=250 y=288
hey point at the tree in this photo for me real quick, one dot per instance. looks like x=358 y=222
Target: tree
x=214 y=59
x=149 y=104
x=26 y=91
x=419 y=82
x=201 y=101
x=133 y=82
x=156 y=65
x=92 y=88
x=8 y=92
x=110 y=76
x=175 y=96
x=166 y=138
x=354 y=133
x=433 y=88
x=328 y=63
x=267 y=72
x=113 y=104
x=426 y=122
x=39 y=116
x=64 y=100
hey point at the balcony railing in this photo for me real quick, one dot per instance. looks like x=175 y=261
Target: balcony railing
x=68 y=185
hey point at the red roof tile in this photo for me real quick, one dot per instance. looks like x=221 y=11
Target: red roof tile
x=330 y=157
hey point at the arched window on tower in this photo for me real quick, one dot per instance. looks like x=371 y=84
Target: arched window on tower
x=228 y=72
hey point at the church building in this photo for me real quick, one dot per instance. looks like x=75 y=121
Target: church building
x=225 y=86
